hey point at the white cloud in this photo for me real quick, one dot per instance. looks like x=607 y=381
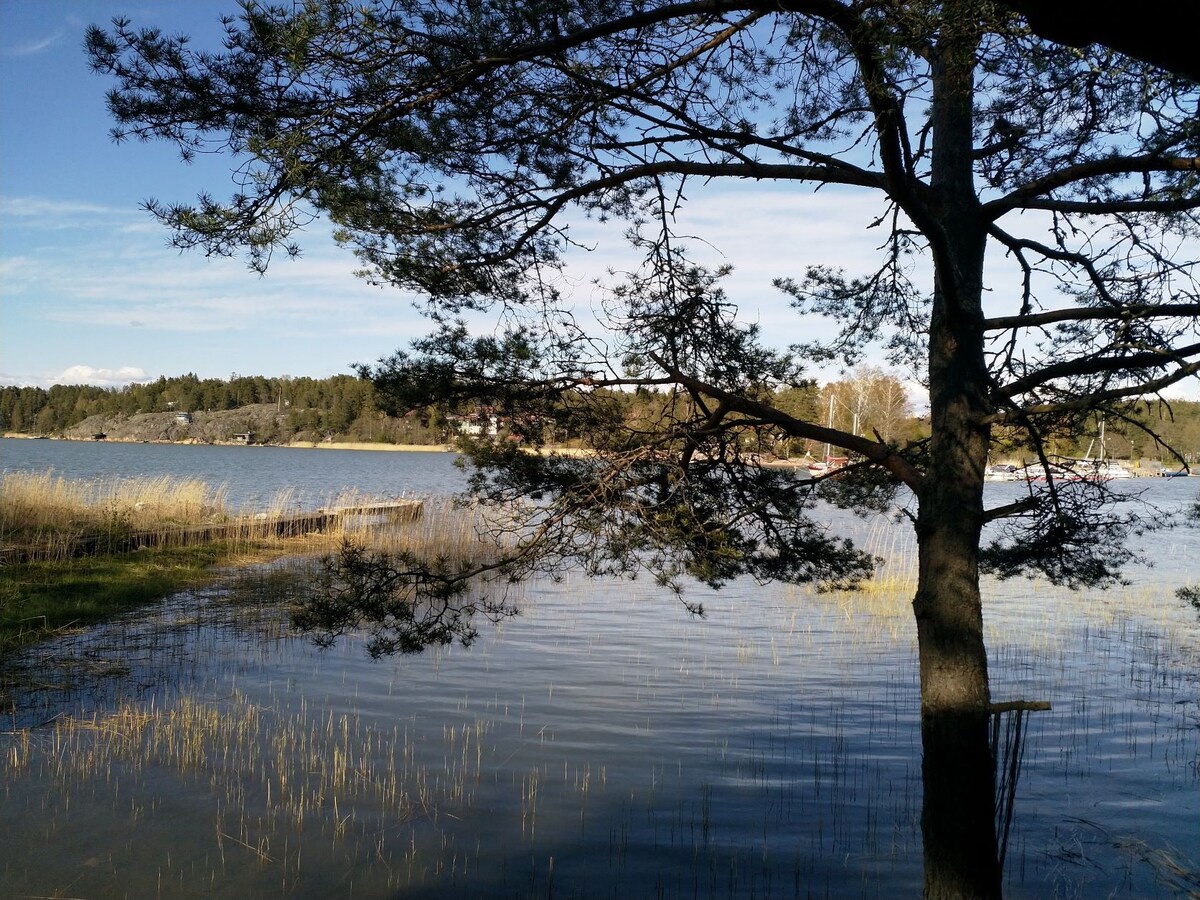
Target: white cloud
x=122 y=275
x=117 y=377
x=1188 y=389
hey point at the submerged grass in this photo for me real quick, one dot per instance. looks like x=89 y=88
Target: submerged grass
x=40 y=599
x=300 y=778
x=47 y=585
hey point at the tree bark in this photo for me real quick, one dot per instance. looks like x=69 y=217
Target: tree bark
x=958 y=816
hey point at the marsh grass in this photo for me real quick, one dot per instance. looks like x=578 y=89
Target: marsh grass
x=446 y=528
x=881 y=605
x=884 y=603
x=46 y=515
x=277 y=778
x=47 y=584
x=298 y=778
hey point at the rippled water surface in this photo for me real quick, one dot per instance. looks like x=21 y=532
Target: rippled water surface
x=602 y=744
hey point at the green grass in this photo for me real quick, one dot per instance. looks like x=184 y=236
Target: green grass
x=40 y=598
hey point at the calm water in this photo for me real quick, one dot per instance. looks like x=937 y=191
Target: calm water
x=603 y=744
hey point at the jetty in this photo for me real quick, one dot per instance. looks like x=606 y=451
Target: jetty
x=249 y=527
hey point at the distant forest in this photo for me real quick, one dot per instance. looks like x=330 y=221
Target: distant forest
x=341 y=407
x=344 y=408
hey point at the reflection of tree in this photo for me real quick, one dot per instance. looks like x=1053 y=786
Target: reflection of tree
x=1008 y=754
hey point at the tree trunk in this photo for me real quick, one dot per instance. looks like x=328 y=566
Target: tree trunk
x=958 y=817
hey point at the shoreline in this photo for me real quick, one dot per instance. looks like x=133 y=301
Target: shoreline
x=294 y=445
x=1136 y=470
x=358 y=445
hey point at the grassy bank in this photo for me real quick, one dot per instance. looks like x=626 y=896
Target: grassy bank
x=39 y=599
x=47 y=584
x=66 y=557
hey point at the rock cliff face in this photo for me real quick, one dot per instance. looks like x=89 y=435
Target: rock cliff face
x=263 y=422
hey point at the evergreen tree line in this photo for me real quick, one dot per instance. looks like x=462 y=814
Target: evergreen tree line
x=345 y=407
x=341 y=406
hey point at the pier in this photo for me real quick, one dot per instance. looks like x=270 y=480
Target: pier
x=250 y=527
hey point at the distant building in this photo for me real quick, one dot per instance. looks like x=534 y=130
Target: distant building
x=245 y=437
x=481 y=422
x=183 y=418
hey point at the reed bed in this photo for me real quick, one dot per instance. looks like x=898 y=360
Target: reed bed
x=276 y=778
x=446 y=529
x=45 y=500
x=77 y=552
x=883 y=604
x=48 y=515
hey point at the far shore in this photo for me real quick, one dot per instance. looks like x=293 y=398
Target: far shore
x=295 y=445
x=365 y=445
x=576 y=452
x=1135 y=467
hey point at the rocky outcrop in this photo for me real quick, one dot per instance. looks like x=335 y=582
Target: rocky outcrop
x=263 y=422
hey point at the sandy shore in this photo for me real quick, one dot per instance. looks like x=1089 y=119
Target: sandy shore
x=351 y=445
x=299 y=445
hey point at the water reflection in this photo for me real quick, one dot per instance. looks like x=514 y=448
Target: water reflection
x=603 y=744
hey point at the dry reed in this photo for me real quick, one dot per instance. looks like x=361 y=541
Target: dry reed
x=47 y=515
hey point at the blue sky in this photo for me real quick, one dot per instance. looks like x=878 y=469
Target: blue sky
x=90 y=293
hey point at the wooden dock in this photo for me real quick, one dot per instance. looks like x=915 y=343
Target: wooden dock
x=242 y=528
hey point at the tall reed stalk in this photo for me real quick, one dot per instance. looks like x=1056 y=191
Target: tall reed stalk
x=46 y=515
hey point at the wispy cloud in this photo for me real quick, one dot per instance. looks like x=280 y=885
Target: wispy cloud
x=118 y=273
x=31 y=48
x=39 y=212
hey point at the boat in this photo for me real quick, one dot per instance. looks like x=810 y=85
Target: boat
x=1038 y=472
x=1075 y=470
x=1104 y=469
x=1100 y=468
x=1001 y=472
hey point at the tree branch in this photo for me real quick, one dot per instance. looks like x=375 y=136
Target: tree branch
x=878 y=453
x=1149 y=359
x=1089 y=401
x=1090 y=313
x=1016 y=508
x=1101 y=207
x=1110 y=165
